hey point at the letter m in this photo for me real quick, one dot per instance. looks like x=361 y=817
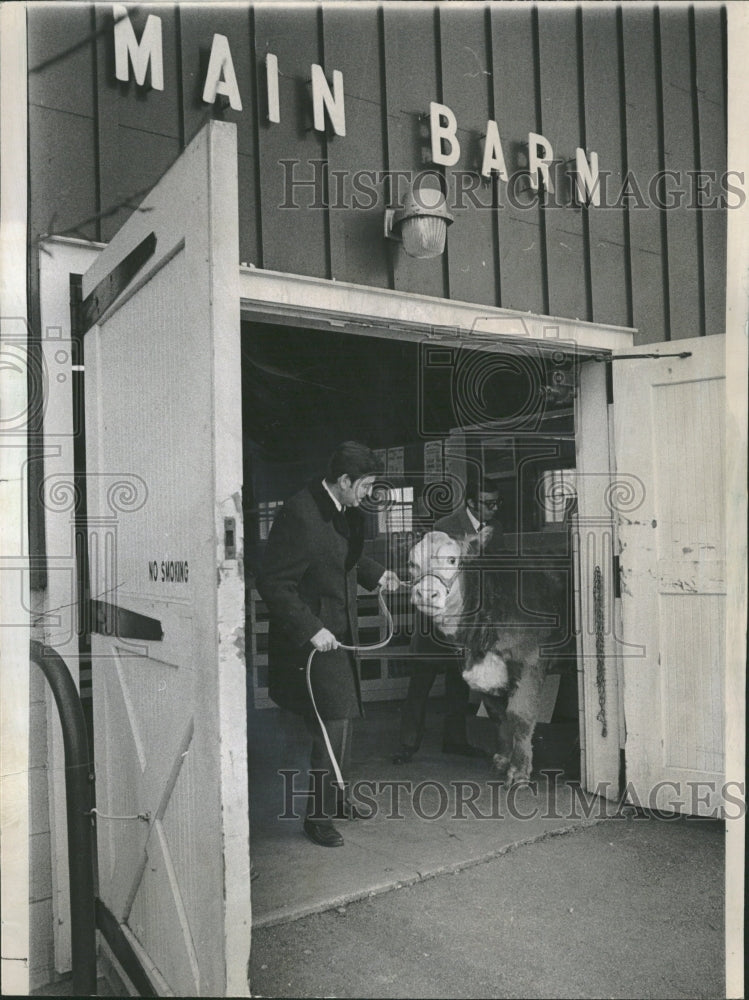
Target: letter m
x=128 y=50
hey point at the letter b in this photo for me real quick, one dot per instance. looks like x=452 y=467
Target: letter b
x=443 y=125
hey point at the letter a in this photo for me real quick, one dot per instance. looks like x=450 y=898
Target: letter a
x=494 y=158
x=539 y=165
x=220 y=77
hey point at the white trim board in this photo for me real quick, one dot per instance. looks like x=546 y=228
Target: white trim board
x=361 y=309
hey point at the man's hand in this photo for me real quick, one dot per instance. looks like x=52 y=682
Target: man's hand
x=324 y=640
x=485 y=535
x=389 y=581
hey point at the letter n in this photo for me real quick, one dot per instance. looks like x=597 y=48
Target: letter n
x=128 y=50
x=586 y=178
x=331 y=101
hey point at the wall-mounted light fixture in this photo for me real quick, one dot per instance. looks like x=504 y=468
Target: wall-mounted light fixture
x=421 y=225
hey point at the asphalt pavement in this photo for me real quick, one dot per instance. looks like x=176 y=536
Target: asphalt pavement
x=627 y=907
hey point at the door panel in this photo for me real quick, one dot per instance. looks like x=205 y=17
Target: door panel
x=164 y=474
x=669 y=431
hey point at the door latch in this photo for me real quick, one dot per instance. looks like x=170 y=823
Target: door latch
x=230 y=538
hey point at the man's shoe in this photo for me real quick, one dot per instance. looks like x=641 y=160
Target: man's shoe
x=404 y=755
x=463 y=749
x=322 y=834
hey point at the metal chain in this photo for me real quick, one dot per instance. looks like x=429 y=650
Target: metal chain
x=600 y=657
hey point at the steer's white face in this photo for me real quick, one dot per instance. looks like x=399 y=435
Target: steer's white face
x=434 y=564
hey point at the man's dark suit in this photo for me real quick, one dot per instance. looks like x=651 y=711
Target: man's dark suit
x=312 y=563
x=311 y=566
x=457 y=525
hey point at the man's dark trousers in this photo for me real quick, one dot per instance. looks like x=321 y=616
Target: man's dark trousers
x=322 y=804
x=434 y=657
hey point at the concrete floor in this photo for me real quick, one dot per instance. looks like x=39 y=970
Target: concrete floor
x=558 y=904
x=414 y=835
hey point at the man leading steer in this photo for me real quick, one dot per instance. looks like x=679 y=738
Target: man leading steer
x=312 y=564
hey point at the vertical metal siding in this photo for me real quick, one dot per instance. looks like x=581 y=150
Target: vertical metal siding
x=561 y=125
x=648 y=96
x=197 y=25
x=466 y=89
x=604 y=114
x=411 y=82
x=358 y=251
x=649 y=303
x=711 y=118
x=62 y=141
x=138 y=129
x=522 y=251
x=294 y=239
x=682 y=230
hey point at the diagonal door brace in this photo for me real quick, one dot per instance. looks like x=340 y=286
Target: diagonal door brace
x=101 y=298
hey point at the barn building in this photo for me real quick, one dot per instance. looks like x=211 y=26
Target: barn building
x=476 y=236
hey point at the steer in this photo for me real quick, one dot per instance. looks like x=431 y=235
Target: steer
x=501 y=615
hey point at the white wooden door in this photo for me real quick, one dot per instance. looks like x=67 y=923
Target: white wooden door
x=164 y=475
x=669 y=432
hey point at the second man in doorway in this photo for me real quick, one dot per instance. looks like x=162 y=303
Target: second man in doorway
x=476 y=521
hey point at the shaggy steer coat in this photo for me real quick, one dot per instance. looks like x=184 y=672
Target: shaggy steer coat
x=311 y=566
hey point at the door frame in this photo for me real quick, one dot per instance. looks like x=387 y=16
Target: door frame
x=58 y=258
x=302 y=300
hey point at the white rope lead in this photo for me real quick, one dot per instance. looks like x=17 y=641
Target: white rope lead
x=354 y=649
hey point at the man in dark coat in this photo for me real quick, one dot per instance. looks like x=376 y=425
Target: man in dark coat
x=310 y=570
x=474 y=521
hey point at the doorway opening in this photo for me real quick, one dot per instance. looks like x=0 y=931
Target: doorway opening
x=435 y=412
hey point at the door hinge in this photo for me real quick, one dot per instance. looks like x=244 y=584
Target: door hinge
x=608 y=358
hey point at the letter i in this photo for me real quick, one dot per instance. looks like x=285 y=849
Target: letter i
x=271 y=77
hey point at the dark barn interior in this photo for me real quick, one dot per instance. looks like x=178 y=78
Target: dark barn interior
x=305 y=390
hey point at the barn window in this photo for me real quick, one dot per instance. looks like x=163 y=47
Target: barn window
x=398 y=514
x=265 y=513
x=558 y=495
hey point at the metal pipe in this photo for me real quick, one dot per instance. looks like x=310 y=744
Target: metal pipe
x=78 y=784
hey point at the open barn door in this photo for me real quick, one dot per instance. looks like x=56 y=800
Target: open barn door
x=164 y=479
x=670 y=434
